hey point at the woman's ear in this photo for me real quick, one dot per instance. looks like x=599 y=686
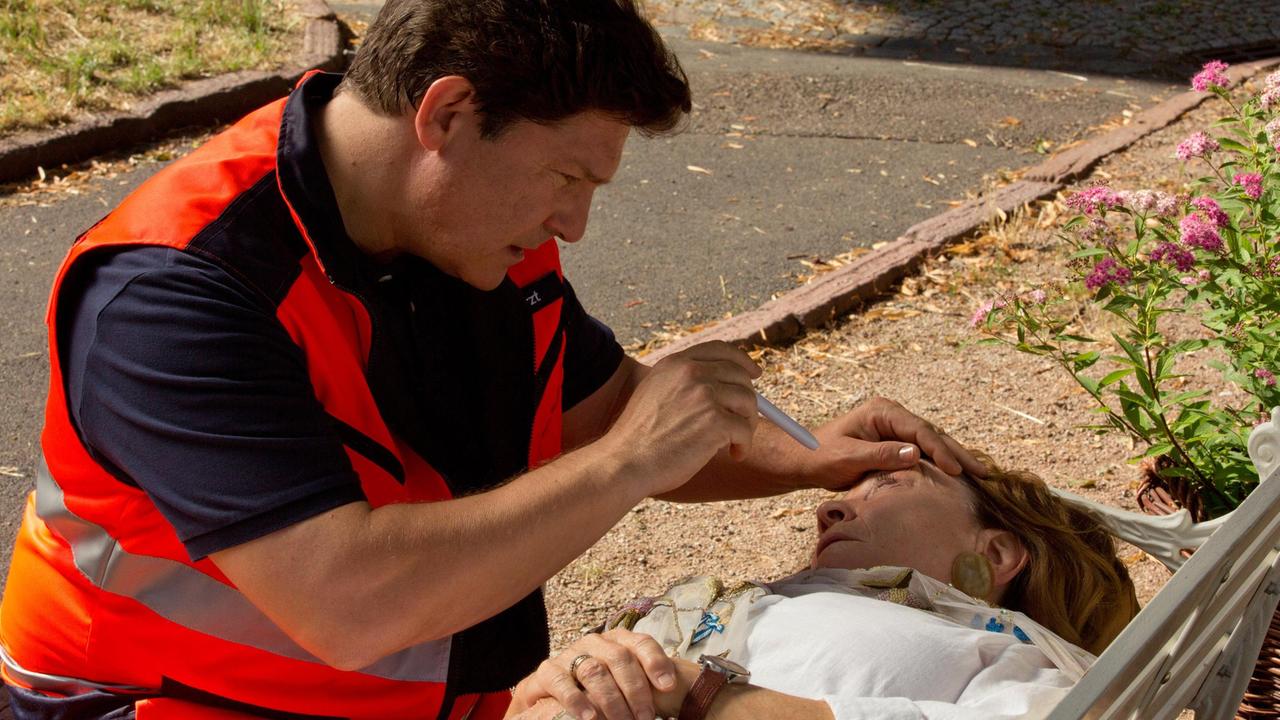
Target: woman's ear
x=447 y=106
x=1007 y=554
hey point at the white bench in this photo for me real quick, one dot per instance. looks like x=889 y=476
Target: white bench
x=1194 y=645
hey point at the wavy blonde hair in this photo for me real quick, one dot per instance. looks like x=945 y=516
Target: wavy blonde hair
x=1073 y=583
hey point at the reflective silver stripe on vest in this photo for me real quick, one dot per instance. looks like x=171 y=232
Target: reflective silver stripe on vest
x=188 y=597
x=60 y=683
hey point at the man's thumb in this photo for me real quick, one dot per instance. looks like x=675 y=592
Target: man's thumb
x=893 y=456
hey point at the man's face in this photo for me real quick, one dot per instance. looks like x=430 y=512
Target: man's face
x=918 y=518
x=499 y=197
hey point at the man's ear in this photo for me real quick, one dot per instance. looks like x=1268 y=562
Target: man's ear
x=1007 y=554
x=447 y=106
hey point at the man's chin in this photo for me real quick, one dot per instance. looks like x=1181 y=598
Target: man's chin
x=483 y=282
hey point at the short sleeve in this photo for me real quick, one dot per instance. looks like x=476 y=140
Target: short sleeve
x=591 y=355
x=181 y=381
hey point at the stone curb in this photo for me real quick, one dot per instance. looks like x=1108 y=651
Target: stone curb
x=835 y=293
x=199 y=103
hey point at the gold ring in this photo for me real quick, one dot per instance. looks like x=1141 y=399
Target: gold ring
x=573 y=666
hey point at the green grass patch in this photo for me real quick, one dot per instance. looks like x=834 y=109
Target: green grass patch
x=60 y=59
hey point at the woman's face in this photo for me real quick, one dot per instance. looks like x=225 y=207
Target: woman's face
x=919 y=518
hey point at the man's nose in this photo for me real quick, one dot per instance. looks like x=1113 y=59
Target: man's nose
x=834 y=511
x=569 y=221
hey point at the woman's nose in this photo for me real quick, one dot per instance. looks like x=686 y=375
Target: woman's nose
x=832 y=512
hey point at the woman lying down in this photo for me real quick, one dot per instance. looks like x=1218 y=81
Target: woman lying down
x=929 y=596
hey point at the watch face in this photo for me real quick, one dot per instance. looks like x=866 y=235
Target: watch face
x=734 y=671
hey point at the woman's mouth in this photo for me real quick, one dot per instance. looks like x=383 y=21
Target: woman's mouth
x=828 y=539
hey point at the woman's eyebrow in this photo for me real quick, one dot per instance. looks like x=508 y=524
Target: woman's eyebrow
x=935 y=473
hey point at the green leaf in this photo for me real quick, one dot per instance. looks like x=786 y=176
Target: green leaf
x=1085 y=360
x=1087 y=383
x=1229 y=144
x=1089 y=252
x=1116 y=376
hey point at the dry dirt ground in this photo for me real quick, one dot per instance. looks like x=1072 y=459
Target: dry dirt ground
x=915 y=346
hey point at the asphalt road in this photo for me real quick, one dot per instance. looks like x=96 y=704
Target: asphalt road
x=795 y=155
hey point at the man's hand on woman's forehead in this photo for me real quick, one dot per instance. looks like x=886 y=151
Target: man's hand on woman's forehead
x=880 y=434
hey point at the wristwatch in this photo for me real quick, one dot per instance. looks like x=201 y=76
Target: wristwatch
x=716 y=673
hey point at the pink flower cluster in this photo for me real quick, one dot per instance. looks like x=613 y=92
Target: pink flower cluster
x=1108 y=271
x=1175 y=255
x=1200 y=277
x=1265 y=376
x=1096 y=231
x=1199 y=145
x=1270 y=98
x=1037 y=297
x=1271 y=95
x=1212 y=210
x=1273 y=133
x=1091 y=199
x=1213 y=75
x=1201 y=233
x=985 y=309
x=1146 y=201
x=1251 y=183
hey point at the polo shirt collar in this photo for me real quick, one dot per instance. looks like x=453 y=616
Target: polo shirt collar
x=308 y=191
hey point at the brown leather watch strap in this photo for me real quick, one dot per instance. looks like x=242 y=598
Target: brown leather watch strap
x=705 y=688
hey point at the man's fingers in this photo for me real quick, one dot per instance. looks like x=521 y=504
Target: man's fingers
x=897 y=423
x=546 y=709
x=628 y=675
x=737 y=399
x=660 y=669
x=604 y=690
x=718 y=350
x=556 y=682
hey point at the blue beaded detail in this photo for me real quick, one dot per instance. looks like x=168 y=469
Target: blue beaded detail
x=1017 y=632
x=710 y=623
x=995 y=626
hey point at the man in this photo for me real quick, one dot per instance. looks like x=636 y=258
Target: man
x=324 y=414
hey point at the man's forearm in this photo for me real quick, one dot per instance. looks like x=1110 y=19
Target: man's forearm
x=777 y=464
x=383 y=579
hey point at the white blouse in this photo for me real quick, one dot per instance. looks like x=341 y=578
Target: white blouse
x=869 y=658
x=884 y=643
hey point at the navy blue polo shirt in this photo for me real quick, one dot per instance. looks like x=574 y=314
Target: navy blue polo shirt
x=181 y=381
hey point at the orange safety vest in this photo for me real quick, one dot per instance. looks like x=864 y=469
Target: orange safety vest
x=101 y=593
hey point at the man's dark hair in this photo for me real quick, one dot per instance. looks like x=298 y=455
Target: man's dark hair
x=536 y=60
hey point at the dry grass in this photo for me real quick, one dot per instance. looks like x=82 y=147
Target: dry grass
x=60 y=59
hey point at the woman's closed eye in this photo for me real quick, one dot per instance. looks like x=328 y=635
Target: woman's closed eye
x=879 y=481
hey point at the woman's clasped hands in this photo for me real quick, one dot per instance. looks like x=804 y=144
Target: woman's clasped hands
x=617 y=675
